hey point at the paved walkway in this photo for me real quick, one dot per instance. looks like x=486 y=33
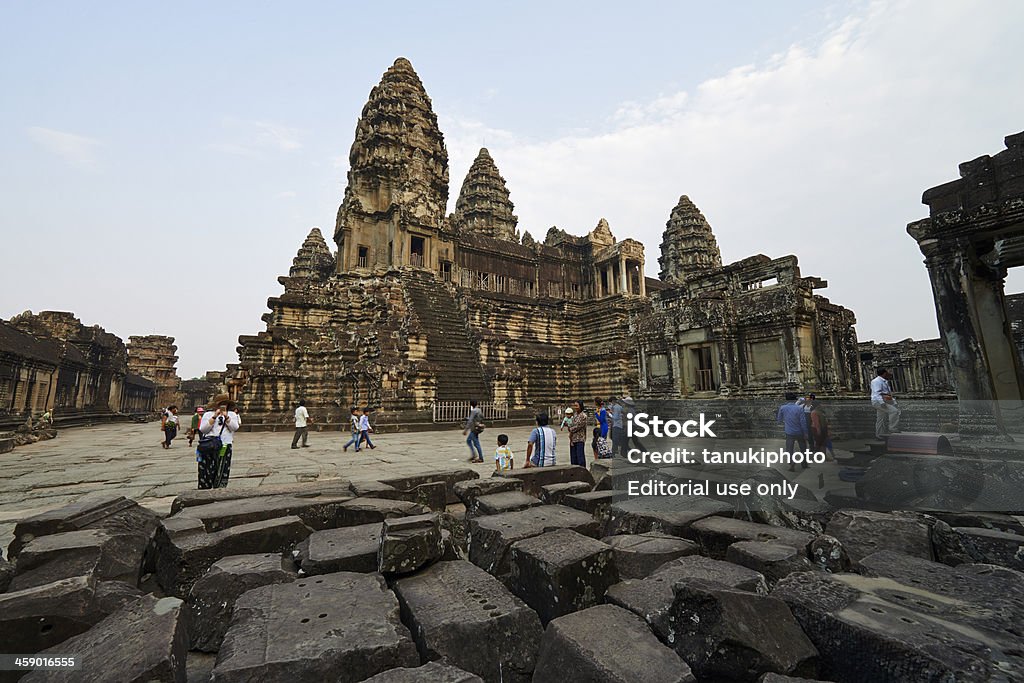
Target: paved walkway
x=126 y=459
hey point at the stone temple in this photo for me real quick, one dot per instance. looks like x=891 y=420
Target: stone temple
x=417 y=306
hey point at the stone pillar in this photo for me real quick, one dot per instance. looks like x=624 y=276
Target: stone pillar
x=623 y=276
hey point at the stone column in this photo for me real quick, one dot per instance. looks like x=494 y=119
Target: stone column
x=623 y=277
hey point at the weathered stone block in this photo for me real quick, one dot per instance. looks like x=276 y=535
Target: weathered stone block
x=828 y=554
x=779 y=678
x=561 y=572
x=328 y=487
x=431 y=495
x=111 y=557
x=6 y=574
x=617 y=478
x=651 y=598
x=460 y=613
x=554 y=494
x=338 y=627
x=370 y=510
x=36 y=618
x=469 y=490
x=536 y=478
x=213 y=596
x=915 y=621
x=993 y=547
x=316 y=512
x=345 y=549
x=408 y=543
x=637 y=556
x=112 y=596
x=596 y=503
x=737 y=635
x=184 y=552
x=666 y=515
x=498 y=503
x=863 y=532
x=432 y=672
x=115 y=514
x=774 y=560
x=606 y=644
x=145 y=641
x=450 y=478
x=716 y=534
x=491 y=536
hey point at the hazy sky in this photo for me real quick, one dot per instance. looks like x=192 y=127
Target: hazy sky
x=162 y=162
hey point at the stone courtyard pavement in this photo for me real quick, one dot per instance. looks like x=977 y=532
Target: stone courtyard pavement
x=127 y=460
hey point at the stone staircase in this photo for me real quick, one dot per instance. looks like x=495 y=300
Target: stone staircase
x=451 y=351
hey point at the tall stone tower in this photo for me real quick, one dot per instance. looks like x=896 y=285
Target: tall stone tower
x=397 y=193
x=688 y=246
x=154 y=357
x=314 y=259
x=483 y=206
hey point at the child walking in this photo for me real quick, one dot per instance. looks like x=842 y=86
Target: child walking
x=503 y=458
x=353 y=426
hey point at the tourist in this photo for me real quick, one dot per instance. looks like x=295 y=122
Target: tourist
x=301 y=427
x=578 y=436
x=630 y=405
x=170 y=425
x=618 y=428
x=602 y=417
x=566 y=420
x=219 y=421
x=600 y=446
x=503 y=458
x=365 y=428
x=821 y=437
x=353 y=425
x=791 y=417
x=540 y=448
x=808 y=406
x=193 y=429
x=887 y=414
x=474 y=426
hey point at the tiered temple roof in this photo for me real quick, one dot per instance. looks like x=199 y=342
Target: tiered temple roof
x=483 y=205
x=688 y=245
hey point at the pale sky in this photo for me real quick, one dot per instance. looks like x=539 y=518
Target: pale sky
x=163 y=162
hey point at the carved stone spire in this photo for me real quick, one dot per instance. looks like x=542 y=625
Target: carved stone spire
x=688 y=245
x=483 y=205
x=398 y=160
x=314 y=259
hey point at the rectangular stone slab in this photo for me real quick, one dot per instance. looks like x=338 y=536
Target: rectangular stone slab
x=609 y=644
x=671 y=516
x=408 y=543
x=497 y=503
x=370 y=510
x=716 y=534
x=651 y=598
x=471 y=489
x=554 y=494
x=431 y=672
x=82 y=514
x=143 y=642
x=345 y=549
x=459 y=612
x=560 y=572
x=183 y=555
x=491 y=536
x=316 y=512
x=36 y=618
x=596 y=503
x=213 y=596
x=637 y=556
x=448 y=477
x=534 y=478
x=330 y=487
x=339 y=627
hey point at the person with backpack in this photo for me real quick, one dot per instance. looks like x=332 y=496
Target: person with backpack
x=474 y=426
x=193 y=429
x=218 y=427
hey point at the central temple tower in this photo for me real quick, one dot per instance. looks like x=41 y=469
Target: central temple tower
x=394 y=205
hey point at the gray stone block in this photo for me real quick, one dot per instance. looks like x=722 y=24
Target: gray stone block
x=450 y=478
x=863 y=532
x=637 y=556
x=991 y=546
x=716 y=534
x=111 y=557
x=561 y=572
x=774 y=560
x=606 y=644
x=328 y=487
x=471 y=489
x=185 y=551
x=498 y=503
x=536 y=478
x=554 y=494
x=36 y=618
x=432 y=672
x=316 y=512
x=733 y=634
x=408 y=543
x=345 y=549
x=651 y=598
x=462 y=614
x=491 y=536
x=666 y=515
x=369 y=510
x=143 y=642
x=339 y=627
x=213 y=596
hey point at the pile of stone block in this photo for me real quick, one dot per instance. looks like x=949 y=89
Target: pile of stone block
x=534 y=575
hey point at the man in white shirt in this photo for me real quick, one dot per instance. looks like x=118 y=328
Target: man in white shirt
x=887 y=415
x=301 y=426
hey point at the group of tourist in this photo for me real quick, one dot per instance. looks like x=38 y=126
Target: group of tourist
x=358 y=425
x=609 y=436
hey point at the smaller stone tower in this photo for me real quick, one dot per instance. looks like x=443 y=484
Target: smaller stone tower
x=688 y=246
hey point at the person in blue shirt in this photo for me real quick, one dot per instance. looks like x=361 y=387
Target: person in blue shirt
x=791 y=417
x=602 y=417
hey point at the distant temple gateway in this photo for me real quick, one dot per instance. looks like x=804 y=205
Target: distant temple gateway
x=417 y=307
